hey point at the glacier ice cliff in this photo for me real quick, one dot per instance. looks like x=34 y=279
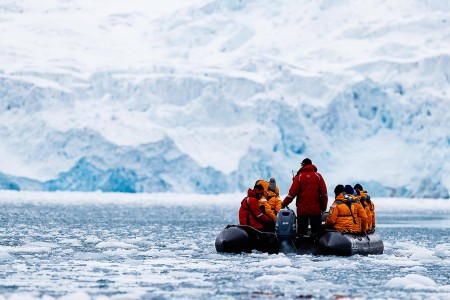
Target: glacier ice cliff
x=212 y=97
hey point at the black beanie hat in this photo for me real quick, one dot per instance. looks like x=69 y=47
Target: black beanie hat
x=338 y=189
x=359 y=187
x=306 y=161
x=349 y=190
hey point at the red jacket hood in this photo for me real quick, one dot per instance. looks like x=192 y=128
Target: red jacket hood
x=251 y=193
x=307 y=168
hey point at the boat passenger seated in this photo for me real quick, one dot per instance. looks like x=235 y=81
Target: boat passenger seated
x=271 y=203
x=341 y=216
x=358 y=211
x=250 y=213
x=369 y=206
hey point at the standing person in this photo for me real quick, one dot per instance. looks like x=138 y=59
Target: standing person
x=250 y=213
x=312 y=199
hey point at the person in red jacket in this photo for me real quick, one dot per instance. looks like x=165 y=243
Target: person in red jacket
x=250 y=214
x=311 y=191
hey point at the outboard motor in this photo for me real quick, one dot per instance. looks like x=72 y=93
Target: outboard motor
x=286 y=229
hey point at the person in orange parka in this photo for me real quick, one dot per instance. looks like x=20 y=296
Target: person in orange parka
x=341 y=215
x=359 y=212
x=250 y=213
x=271 y=200
x=370 y=205
x=362 y=196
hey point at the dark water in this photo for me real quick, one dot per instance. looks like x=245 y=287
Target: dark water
x=142 y=252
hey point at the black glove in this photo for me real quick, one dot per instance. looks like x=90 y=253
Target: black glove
x=282 y=205
x=263 y=209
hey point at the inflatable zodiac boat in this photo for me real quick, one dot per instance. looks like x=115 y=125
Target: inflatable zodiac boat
x=239 y=238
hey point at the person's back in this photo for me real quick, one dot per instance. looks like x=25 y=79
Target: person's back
x=358 y=211
x=362 y=196
x=372 y=210
x=341 y=215
x=309 y=188
x=369 y=207
x=274 y=202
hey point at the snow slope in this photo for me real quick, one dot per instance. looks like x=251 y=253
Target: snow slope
x=208 y=96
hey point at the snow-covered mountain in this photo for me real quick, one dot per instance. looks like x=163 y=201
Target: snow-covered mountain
x=208 y=96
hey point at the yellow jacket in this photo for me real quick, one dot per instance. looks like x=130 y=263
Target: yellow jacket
x=271 y=200
x=372 y=211
x=360 y=216
x=274 y=203
x=371 y=206
x=264 y=205
x=363 y=199
x=341 y=216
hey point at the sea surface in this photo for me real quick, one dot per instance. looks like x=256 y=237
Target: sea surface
x=53 y=250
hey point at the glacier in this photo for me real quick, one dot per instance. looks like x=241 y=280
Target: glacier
x=207 y=96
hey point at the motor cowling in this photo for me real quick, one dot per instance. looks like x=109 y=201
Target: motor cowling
x=286 y=225
x=286 y=229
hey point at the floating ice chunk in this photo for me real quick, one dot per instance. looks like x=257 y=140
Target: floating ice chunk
x=330 y=264
x=72 y=242
x=21 y=296
x=442 y=251
x=115 y=244
x=121 y=252
x=423 y=255
x=76 y=296
x=34 y=247
x=280 y=278
x=414 y=269
x=158 y=253
x=281 y=261
x=412 y=281
x=92 y=239
x=5 y=256
x=136 y=240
